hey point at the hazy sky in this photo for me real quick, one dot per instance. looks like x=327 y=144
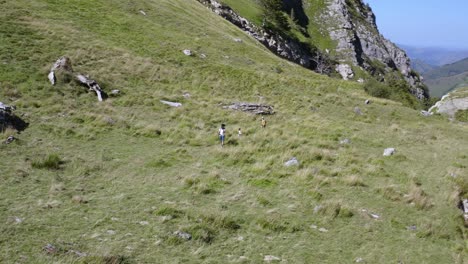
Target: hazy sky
x=424 y=23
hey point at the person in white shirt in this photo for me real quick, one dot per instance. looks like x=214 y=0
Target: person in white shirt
x=222 y=134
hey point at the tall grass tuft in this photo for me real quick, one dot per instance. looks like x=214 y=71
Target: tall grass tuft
x=51 y=162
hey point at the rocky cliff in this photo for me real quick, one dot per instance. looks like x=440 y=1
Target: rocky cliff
x=350 y=24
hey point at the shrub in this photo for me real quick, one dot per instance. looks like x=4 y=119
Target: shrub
x=462 y=115
x=51 y=162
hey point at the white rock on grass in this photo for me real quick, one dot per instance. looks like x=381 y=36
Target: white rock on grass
x=173 y=104
x=270 y=258
x=323 y=230
x=292 y=162
x=389 y=152
x=183 y=235
x=187 y=52
x=345 y=141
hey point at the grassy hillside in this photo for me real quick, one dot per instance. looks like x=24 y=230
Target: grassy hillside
x=447 y=78
x=443 y=85
x=421 y=67
x=449 y=70
x=114 y=180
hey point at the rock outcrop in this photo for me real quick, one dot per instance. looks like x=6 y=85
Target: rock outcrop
x=352 y=25
x=9 y=120
x=289 y=49
x=450 y=103
x=257 y=109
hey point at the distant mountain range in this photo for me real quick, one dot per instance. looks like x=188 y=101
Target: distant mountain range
x=443 y=69
x=433 y=55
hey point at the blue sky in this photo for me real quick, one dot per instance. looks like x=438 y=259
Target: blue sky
x=423 y=23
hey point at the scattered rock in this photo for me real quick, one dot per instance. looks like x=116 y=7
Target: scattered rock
x=317 y=208
x=9 y=139
x=115 y=92
x=173 y=104
x=240 y=238
x=345 y=141
x=411 y=228
x=114 y=219
x=10 y=120
x=425 y=113
x=389 y=152
x=375 y=216
x=143 y=223
x=270 y=258
x=111 y=232
x=183 y=235
x=50 y=249
x=18 y=220
x=52 y=78
x=257 y=109
x=143 y=12
x=464 y=207
x=53 y=204
x=359 y=260
x=186 y=95
x=372 y=215
x=313 y=226
x=292 y=162
x=367 y=102
x=187 y=52
x=360 y=80
x=357 y=111
x=79 y=199
x=238 y=40
x=323 y=230
x=203 y=56
x=63 y=65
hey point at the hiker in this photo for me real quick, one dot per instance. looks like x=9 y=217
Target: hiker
x=239 y=132
x=263 y=122
x=222 y=133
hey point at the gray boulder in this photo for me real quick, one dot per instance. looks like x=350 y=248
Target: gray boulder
x=345 y=71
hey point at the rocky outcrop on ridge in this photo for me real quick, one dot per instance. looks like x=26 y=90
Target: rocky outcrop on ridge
x=352 y=25
x=450 y=103
x=289 y=49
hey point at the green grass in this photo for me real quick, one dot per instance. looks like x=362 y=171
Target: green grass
x=143 y=170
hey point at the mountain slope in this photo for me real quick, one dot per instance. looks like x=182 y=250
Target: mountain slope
x=447 y=78
x=113 y=181
x=343 y=31
x=422 y=67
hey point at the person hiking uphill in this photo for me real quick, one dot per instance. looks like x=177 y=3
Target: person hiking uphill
x=222 y=134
